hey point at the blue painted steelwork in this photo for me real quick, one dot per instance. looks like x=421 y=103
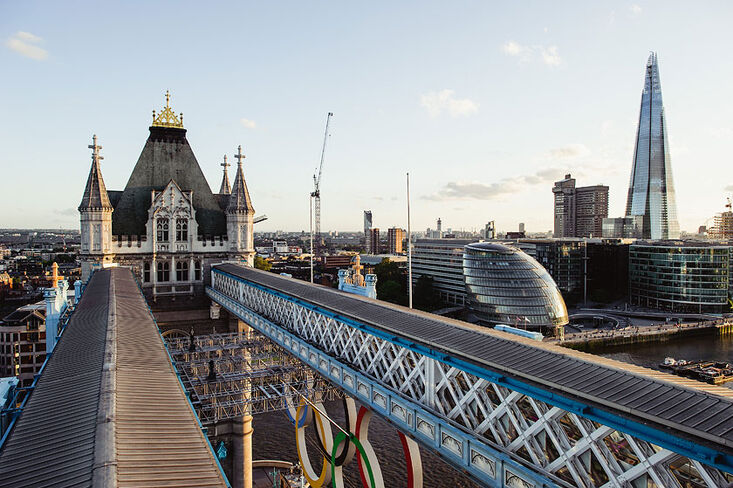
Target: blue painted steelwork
x=485 y=463
x=664 y=438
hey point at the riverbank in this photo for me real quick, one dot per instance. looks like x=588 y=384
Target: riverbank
x=599 y=339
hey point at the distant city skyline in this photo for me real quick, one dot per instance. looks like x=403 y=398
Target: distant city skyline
x=485 y=106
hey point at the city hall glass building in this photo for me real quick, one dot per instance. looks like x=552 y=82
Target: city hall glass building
x=651 y=198
x=506 y=286
x=680 y=276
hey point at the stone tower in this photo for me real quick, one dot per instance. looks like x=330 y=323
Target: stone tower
x=240 y=217
x=95 y=212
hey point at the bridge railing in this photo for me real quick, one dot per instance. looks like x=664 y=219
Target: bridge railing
x=478 y=422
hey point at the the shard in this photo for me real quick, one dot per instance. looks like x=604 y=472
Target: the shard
x=651 y=201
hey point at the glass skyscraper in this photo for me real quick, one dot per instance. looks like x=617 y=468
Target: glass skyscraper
x=651 y=199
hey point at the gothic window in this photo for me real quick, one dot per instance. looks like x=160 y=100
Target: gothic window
x=162 y=230
x=164 y=271
x=146 y=272
x=181 y=229
x=182 y=271
x=197 y=270
x=243 y=234
x=97 y=239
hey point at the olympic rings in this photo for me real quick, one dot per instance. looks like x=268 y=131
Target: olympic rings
x=315 y=480
x=369 y=458
x=336 y=470
x=337 y=454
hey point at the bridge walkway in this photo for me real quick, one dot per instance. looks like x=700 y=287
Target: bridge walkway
x=108 y=408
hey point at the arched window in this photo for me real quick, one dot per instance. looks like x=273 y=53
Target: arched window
x=181 y=229
x=162 y=230
x=164 y=271
x=182 y=271
x=197 y=270
x=146 y=272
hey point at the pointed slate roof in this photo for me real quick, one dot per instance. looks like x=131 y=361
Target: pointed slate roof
x=166 y=156
x=239 y=201
x=225 y=187
x=95 y=194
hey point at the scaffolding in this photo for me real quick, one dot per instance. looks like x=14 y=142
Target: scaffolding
x=236 y=374
x=723 y=224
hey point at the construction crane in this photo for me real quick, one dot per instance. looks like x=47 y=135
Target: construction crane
x=316 y=199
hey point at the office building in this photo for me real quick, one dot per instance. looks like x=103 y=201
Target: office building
x=563 y=259
x=651 y=195
x=506 y=286
x=373 y=241
x=679 y=276
x=441 y=260
x=395 y=236
x=23 y=343
x=579 y=211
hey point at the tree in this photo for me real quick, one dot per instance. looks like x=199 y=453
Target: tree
x=262 y=263
x=391 y=282
x=425 y=296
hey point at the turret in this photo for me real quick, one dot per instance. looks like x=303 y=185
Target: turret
x=95 y=212
x=225 y=187
x=240 y=217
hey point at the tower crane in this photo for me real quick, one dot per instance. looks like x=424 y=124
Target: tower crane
x=316 y=197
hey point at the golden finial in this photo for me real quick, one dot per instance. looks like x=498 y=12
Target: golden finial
x=167 y=118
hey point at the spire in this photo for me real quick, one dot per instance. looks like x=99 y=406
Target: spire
x=167 y=118
x=225 y=188
x=95 y=194
x=239 y=201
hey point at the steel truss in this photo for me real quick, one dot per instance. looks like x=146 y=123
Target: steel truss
x=252 y=375
x=559 y=446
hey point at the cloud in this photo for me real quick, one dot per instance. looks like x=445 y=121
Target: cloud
x=24 y=43
x=514 y=49
x=66 y=211
x=249 y=124
x=457 y=190
x=635 y=10
x=728 y=188
x=569 y=152
x=722 y=132
x=444 y=100
x=548 y=55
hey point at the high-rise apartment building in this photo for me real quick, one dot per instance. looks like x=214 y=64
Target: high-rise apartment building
x=367 y=228
x=373 y=241
x=395 y=236
x=651 y=190
x=579 y=211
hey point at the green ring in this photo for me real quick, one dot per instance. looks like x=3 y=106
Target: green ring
x=352 y=438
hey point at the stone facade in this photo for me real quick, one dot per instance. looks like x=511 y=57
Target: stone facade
x=166 y=225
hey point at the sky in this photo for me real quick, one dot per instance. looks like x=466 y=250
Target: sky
x=485 y=104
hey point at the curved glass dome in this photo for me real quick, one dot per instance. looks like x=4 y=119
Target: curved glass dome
x=507 y=286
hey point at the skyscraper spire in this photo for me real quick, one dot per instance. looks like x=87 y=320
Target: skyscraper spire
x=651 y=198
x=225 y=187
x=239 y=201
x=95 y=194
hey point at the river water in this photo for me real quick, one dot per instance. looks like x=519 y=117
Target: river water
x=274 y=436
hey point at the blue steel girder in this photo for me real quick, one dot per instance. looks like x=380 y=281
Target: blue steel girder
x=483 y=422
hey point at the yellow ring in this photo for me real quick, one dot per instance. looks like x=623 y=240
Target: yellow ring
x=308 y=472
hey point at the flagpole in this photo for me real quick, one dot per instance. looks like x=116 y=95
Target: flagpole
x=409 y=247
